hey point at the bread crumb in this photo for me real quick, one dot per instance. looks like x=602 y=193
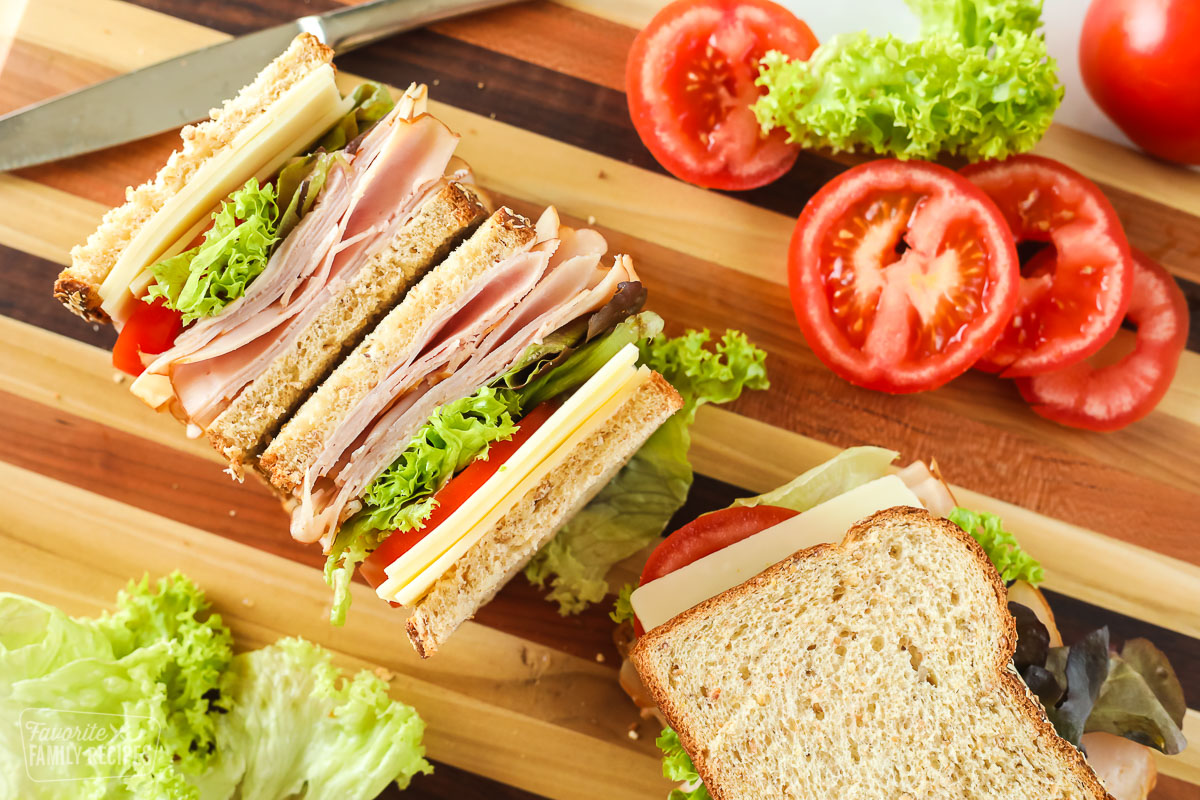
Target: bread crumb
x=233 y=512
x=601 y=174
x=599 y=658
x=632 y=733
x=591 y=219
x=479 y=85
x=175 y=486
x=384 y=674
x=96 y=327
x=437 y=81
x=248 y=602
x=118 y=378
x=492 y=115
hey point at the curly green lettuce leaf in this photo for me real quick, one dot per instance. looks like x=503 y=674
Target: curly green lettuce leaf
x=401 y=498
x=623 y=606
x=634 y=508
x=678 y=766
x=978 y=83
x=298 y=728
x=847 y=470
x=200 y=282
x=1013 y=563
x=155 y=665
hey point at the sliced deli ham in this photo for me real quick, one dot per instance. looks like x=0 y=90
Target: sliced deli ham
x=573 y=284
x=396 y=167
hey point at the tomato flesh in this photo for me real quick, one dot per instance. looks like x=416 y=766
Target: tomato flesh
x=690 y=84
x=1140 y=64
x=151 y=329
x=1068 y=312
x=1110 y=397
x=902 y=274
x=454 y=494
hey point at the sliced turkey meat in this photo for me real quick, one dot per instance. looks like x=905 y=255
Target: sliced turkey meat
x=397 y=166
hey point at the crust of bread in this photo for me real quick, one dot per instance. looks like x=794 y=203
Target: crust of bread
x=724 y=786
x=78 y=286
x=448 y=217
x=287 y=458
x=503 y=551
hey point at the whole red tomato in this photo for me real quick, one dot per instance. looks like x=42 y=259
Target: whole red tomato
x=1141 y=63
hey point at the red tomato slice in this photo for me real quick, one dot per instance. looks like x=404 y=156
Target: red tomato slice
x=151 y=329
x=454 y=494
x=902 y=275
x=1110 y=397
x=690 y=84
x=1068 y=313
x=706 y=535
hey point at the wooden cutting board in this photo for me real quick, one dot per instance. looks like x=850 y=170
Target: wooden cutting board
x=95 y=489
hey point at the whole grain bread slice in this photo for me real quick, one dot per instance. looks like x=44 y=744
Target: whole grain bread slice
x=490 y=563
x=876 y=668
x=256 y=413
x=78 y=286
x=286 y=459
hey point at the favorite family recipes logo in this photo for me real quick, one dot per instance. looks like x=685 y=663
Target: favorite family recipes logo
x=74 y=745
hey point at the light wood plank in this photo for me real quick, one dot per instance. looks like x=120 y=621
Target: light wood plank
x=44 y=221
x=497 y=705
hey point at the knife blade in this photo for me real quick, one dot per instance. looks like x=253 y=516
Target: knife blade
x=183 y=89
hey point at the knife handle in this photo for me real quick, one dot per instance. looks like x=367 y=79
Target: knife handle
x=349 y=28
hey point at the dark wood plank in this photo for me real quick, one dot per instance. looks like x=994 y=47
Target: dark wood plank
x=451 y=783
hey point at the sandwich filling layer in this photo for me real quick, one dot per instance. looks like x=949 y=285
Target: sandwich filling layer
x=588 y=409
x=366 y=197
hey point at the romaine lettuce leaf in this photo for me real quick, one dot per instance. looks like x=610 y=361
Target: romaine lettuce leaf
x=372 y=102
x=634 y=508
x=978 y=83
x=1013 y=563
x=297 y=727
x=401 y=498
x=623 y=606
x=202 y=281
x=849 y=469
x=678 y=766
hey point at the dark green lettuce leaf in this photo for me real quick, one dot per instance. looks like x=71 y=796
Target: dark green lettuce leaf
x=1033 y=640
x=543 y=356
x=583 y=363
x=1082 y=672
x=1141 y=699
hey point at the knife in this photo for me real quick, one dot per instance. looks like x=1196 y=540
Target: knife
x=183 y=89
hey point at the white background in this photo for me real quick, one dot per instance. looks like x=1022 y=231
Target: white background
x=1063 y=18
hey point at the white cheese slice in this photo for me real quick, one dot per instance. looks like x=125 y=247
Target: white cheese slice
x=301 y=115
x=659 y=600
x=419 y=586
x=568 y=418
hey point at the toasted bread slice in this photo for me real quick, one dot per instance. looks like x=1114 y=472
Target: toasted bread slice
x=257 y=412
x=78 y=286
x=879 y=667
x=289 y=455
x=503 y=551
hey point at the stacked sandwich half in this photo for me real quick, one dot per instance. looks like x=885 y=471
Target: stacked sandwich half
x=431 y=387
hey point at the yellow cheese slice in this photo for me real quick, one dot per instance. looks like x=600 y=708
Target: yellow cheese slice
x=301 y=115
x=566 y=420
x=659 y=600
x=419 y=586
